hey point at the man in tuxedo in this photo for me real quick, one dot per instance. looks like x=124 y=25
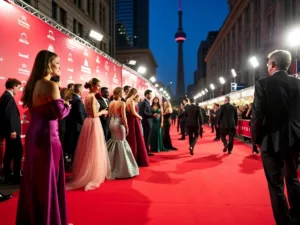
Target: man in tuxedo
x=227 y=122
x=214 y=117
x=74 y=120
x=193 y=123
x=145 y=112
x=126 y=90
x=10 y=130
x=104 y=103
x=203 y=116
x=183 y=121
x=275 y=129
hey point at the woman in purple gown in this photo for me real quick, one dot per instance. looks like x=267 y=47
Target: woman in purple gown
x=42 y=193
x=135 y=136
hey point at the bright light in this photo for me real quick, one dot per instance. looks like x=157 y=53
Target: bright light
x=233 y=73
x=164 y=92
x=152 y=79
x=169 y=98
x=206 y=89
x=161 y=89
x=141 y=70
x=132 y=62
x=171 y=82
x=156 y=85
x=222 y=80
x=254 y=62
x=97 y=36
x=203 y=92
x=195 y=97
x=200 y=94
x=212 y=87
x=294 y=37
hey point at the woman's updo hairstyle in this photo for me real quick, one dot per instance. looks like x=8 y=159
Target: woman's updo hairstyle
x=91 y=83
x=117 y=92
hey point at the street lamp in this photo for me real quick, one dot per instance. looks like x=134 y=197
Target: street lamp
x=161 y=89
x=156 y=85
x=294 y=40
x=233 y=74
x=95 y=35
x=132 y=62
x=212 y=87
x=152 y=79
x=142 y=70
x=206 y=90
x=222 y=81
x=254 y=63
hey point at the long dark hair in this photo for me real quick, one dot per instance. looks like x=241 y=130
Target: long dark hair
x=158 y=105
x=132 y=91
x=39 y=70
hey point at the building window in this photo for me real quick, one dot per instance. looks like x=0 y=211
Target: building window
x=93 y=10
x=257 y=37
x=63 y=17
x=271 y=25
x=100 y=14
x=104 y=19
x=257 y=7
x=80 y=30
x=78 y=3
x=54 y=10
x=75 y=26
x=289 y=11
x=88 y=7
x=27 y=1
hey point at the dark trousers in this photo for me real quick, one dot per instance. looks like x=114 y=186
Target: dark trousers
x=278 y=167
x=178 y=125
x=147 y=133
x=13 y=153
x=230 y=132
x=213 y=127
x=173 y=121
x=183 y=130
x=193 y=135
x=217 y=132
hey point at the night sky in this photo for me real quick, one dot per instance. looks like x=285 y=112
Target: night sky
x=199 y=17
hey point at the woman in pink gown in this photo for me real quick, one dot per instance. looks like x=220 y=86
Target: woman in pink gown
x=91 y=163
x=42 y=198
x=135 y=136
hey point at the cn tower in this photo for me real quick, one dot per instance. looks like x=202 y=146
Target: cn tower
x=180 y=37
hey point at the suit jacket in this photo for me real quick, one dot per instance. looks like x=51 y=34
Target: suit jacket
x=181 y=115
x=276 y=112
x=227 y=118
x=193 y=116
x=203 y=114
x=74 y=120
x=9 y=115
x=145 y=112
x=103 y=105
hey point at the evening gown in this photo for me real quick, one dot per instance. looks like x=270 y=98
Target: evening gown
x=166 y=133
x=42 y=198
x=135 y=139
x=123 y=164
x=156 y=140
x=91 y=163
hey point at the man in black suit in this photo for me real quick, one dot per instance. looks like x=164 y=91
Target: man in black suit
x=74 y=120
x=193 y=123
x=10 y=129
x=276 y=132
x=145 y=112
x=214 y=117
x=126 y=90
x=183 y=126
x=203 y=117
x=227 y=122
x=104 y=103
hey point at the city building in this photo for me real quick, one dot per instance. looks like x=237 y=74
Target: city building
x=132 y=35
x=252 y=28
x=200 y=73
x=134 y=15
x=82 y=16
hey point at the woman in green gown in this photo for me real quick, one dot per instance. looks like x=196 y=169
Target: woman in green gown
x=156 y=141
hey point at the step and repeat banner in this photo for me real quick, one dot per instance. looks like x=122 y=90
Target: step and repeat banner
x=23 y=36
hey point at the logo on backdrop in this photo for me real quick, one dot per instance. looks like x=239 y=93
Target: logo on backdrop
x=2 y=78
x=23 y=55
x=51 y=48
x=70 y=80
x=51 y=35
x=71 y=44
x=70 y=57
x=115 y=79
x=22 y=22
x=97 y=69
x=23 y=39
x=98 y=60
x=85 y=68
x=86 y=53
x=70 y=70
x=1 y=59
x=23 y=70
x=106 y=67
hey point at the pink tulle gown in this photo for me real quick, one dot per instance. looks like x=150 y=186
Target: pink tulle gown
x=91 y=164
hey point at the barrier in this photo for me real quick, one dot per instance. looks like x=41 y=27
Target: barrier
x=244 y=128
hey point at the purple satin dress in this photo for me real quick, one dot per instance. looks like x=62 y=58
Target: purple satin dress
x=42 y=198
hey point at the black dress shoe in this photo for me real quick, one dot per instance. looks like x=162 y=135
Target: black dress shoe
x=191 y=150
x=225 y=148
x=5 y=197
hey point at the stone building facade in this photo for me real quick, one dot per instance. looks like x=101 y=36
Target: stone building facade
x=252 y=28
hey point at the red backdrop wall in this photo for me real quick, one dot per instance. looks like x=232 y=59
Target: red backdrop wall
x=23 y=36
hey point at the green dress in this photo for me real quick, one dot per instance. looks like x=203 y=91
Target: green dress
x=156 y=141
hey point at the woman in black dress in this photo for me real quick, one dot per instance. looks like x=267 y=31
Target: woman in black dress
x=166 y=126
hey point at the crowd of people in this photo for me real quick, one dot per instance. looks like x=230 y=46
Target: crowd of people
x=110 y=137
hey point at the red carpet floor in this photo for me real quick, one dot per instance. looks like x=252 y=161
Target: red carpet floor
x=209 y=188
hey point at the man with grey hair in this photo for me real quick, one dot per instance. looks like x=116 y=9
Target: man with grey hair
x=276 y=132
x=227 y=122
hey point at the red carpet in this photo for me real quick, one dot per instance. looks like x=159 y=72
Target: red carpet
x=209 y=188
